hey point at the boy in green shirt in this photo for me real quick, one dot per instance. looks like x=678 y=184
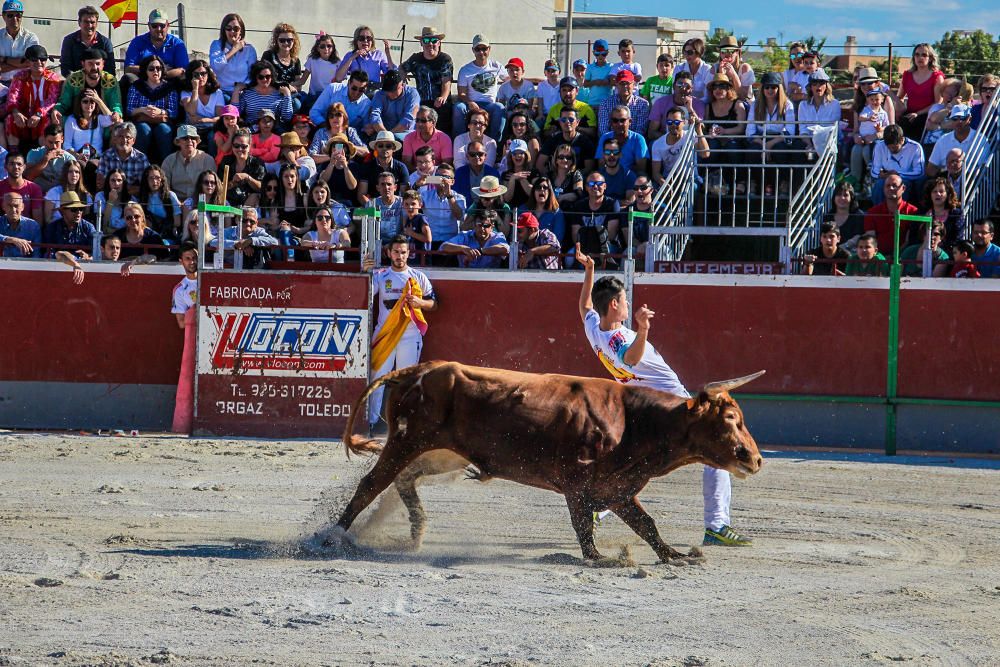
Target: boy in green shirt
x=867 y=261
x=662 y=84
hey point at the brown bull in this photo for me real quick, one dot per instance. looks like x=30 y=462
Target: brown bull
x=595 y=441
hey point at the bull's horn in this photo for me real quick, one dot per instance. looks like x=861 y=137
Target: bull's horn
x=716 y=388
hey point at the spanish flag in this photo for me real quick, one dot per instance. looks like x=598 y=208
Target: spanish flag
x=119 y=11
x=395 y=325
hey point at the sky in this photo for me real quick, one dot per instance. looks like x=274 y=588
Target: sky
x=873 y=22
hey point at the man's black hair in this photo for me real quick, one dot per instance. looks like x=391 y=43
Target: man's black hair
x=605 y=289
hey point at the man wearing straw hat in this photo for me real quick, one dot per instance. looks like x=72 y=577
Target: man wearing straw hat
x=384 y=147
x=183 y=166
x=433 y=71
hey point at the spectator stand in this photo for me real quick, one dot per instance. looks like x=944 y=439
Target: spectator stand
x=674 y=206
x=981 y=171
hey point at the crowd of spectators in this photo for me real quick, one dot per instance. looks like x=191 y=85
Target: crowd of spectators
x=301 y=136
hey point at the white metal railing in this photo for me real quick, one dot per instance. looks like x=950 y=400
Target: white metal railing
x=673 y=206
x=811 y=201
x=981 y=170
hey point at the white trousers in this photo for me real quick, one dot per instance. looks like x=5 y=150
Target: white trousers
x=716 y=485
x=407 y=353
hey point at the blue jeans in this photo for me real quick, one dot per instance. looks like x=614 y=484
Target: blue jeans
x=498 y=118
x=159 y=137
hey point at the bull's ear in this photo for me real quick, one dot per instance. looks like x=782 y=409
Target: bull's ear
x=698 y=405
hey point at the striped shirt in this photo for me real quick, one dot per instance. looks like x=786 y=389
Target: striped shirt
x=252 y=103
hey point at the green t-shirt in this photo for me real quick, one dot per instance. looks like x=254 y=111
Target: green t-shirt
x=657 y=86
x=911 y=252
x=877 y=267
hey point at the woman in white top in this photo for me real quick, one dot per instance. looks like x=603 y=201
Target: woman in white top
x=770 y=127
x=202 y=98
x=796 y=52
x=701 y=73
x=478 y=121
x=70 y=180
x=820 y=109
x=326 y=238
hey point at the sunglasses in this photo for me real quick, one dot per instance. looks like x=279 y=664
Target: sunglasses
x=770 y=87
x=566 y=119
x=356 y=89
x=564 y=157
x=199 y=74
x=519 y=125
x=481 y=49
x=385 y=147
x=424 y=120
x=133 y=217
x=643 y=187
x=542 y=187
x=366 y=38
x=484 y=225
x=723 y=86
x=285 y=40
x=619 y=121
x=476 y=154
x=612 y=152
x=988 y=89
x=324 y=45
x=263 y=77
x=673 y=122
x=241 y=146
x=690 y=52
x=269 y=188
x=600 y=53
x=596 y=184
x=429 y=40
x=796 y=56
x=324 y=217
x=551 y=69
x=154 y=68
x=233 y=28
x=683 y=86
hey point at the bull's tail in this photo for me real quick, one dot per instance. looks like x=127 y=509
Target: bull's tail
x=365 y=445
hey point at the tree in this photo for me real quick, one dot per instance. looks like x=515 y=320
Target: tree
x=883 y=68
x=969 y=55
x=773 y=58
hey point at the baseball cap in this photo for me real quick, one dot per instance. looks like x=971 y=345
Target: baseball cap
x=959 y=111
x=480 y=40
x=770 y=79
x=186 y=131
x=301 y=118
x=266 y=113
x=527 y=219
x=819 y=75
x=569 y=81
x=515 y=62
x=579 y=62
x=625 y=75
x=230 y=110
x=13 y=6
x=872 y=92
x=601 y=45
x=518 y=145
x=157 y=16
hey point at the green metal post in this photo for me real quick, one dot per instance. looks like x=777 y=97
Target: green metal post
x=892 y=372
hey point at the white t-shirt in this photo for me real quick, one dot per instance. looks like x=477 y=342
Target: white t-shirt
x=635 y=68
x=610 y=346
x=323 y=255
x=185 y=295
x=482 y=82
x=75 y=138
x=207 y=110
x=320 y=74
x=549 y=95
x=387 y=289
x=506 y=92
x=939 y=155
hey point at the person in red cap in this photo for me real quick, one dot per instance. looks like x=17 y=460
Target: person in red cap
x=625 y=95
x=517 y=87
x=536 y=248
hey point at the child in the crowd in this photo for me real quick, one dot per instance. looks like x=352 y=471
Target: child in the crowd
x=516 y=87
x=548 y=89
x=662 y=84
x=225 y=130
x=580 y=74
x=626 y=51
x=265 y=144
x=871 y=121
x=598 y=80
x=963 y=267
x=414 y=225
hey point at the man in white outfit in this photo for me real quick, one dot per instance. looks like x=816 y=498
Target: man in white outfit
x=397 y=282
x=631 y=359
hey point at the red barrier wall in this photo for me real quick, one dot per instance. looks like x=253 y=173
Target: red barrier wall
x=812 y=340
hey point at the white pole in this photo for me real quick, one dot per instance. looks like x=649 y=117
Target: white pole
x=568 y=60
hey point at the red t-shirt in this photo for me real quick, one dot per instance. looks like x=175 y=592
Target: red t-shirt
x=880 y=219
x=920 y=95
x=30 y=192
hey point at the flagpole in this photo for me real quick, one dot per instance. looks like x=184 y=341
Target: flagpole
x=136 y=18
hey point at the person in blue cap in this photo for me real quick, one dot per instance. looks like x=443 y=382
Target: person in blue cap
x=596 y=82
x=14 y=41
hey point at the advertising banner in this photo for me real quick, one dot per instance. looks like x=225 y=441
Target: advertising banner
x=280 y=355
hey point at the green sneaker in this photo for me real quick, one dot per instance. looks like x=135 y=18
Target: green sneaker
x=725 y=537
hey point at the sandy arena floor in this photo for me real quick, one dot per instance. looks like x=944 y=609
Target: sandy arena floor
x=145 y=550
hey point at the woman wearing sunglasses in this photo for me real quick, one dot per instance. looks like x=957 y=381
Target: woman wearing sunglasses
x=796 y=52
x=770 y=129
x=917 y=91
x=153 y=105
x=740 y=74
x=283 y=54
x=701 y=73
x=264 y=94
x=364 y=56
x=566 y=178
x=320 y=67
x=326 y=238
x=545 y=207
x=231 y=55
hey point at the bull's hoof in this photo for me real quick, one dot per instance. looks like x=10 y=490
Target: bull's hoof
x=603 y=562
x=476 y=474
